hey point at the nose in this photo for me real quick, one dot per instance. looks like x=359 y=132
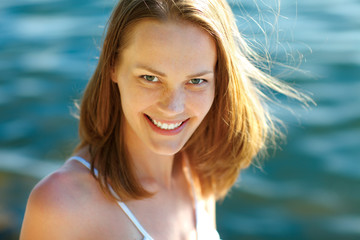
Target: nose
x=173 y=101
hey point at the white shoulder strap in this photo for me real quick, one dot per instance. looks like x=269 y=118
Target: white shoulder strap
x=134 y=220
x=122 y=205
x=84 y=162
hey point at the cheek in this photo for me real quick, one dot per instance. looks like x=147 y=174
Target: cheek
x=127 y=100
x=208 y=103
x=201 y=104
x=135 y=99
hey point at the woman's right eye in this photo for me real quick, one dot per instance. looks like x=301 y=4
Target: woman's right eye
x=150 y=78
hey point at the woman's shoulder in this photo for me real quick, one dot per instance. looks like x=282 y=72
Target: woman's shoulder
x=65 y=187
x=58 y=204
x=71 y=187
x=69 y=204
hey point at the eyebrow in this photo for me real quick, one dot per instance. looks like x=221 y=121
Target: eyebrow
x=161 y=74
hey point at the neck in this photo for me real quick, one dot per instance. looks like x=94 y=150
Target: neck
x=154 y=171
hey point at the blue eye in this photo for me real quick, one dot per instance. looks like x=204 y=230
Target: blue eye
x=196 y=81
x=150 y=78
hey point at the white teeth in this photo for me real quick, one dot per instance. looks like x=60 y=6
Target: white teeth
x=166 y=126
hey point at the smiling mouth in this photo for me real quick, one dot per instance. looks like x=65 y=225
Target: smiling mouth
x=166 y=126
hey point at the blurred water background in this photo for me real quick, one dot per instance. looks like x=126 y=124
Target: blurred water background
x=308 y=189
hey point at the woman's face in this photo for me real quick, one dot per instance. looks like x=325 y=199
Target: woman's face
x=166 y=78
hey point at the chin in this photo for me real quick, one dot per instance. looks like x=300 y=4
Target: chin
x=167 y=149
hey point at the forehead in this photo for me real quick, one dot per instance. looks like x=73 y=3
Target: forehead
x=177 y=42
x=161 y=31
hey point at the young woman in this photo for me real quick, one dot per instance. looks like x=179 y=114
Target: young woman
x=169 y=118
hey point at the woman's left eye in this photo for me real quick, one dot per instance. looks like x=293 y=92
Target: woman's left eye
x=196 y=81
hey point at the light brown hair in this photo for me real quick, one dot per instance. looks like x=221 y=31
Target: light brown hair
x=235 y=129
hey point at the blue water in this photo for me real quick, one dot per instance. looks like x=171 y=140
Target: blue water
x=307 y=189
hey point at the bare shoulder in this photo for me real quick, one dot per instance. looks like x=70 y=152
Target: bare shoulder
x=57 y=205
x=69 y=204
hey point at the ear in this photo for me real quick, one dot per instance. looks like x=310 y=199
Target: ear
x=113 y=74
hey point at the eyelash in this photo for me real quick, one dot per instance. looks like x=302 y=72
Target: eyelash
x=201 y=81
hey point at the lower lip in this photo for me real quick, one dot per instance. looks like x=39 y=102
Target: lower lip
x=166 y=132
